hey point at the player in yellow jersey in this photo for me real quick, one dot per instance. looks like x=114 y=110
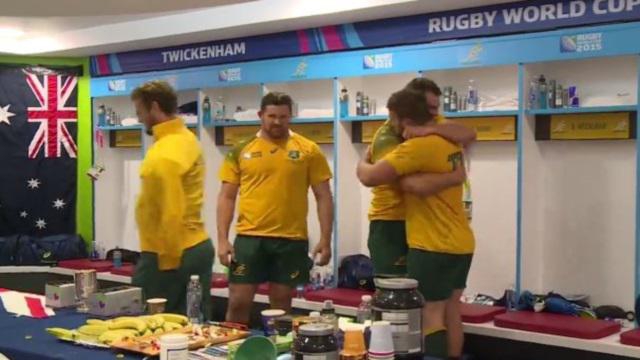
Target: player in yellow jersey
x=272 y=172
x=387 y=236
x=441 y=242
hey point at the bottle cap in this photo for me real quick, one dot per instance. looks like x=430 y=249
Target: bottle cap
x=195 y=277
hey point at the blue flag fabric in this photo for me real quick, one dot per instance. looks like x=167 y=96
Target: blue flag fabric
x=38 y=151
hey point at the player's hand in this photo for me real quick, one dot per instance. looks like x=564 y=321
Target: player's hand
x=368 y=155
x=411 y=131
x=458 y=176
x=322 y=252
x=225 y=252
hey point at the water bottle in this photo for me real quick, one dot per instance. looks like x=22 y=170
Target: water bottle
x=511 y=299
x=472 y=97
x=219 y=110
x=328 y=314
x=533 y=94
x=364 y=310
x=102 y=115
x=454 y=102
x=117 y=258
x=206 y=110
x=542 y=94
x=194 y=300
x=344 y=103
x=359 y=97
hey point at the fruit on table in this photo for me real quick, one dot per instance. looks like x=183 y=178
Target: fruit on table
x=129 y=323
x=60 y=333
x=93 y=330
x=110 y=331
x=111 y=336
x=175 y=318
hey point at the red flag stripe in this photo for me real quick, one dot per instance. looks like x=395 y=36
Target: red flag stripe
x=35 y=307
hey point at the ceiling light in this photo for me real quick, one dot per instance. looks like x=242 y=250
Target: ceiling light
x=10 y=33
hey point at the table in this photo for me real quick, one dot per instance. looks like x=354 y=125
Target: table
x=23 y=338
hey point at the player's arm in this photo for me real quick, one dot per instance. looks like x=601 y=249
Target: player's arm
x=324 y=201
x=427 y=184
x=449 y=130
x=230 y=176
x=319 y=176
x=379 y=173
x=225 y=210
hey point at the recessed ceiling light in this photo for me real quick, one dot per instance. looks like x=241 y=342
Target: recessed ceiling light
x=10 y=33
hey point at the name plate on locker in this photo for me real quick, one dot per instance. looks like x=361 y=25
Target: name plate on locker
x=125 y=138
x=500 y=128
x=321 y=133
x=369 y=129
x=597 y=126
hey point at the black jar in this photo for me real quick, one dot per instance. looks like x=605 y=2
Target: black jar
x=316 y=341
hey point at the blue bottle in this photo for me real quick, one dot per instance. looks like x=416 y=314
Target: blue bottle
x=543 y=94
x=206 y=110
x=102 y=115
x=344 y=103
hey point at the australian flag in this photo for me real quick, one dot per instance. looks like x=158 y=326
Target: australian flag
x=38 y=151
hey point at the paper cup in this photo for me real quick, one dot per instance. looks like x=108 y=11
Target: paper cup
x=354 y=343
x=156 y=305
x=269 y=322
x=381 y=345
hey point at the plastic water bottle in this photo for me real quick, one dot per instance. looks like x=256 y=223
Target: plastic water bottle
x=472 y=97
x=328 y=314
x=206 y=110
x=364 y=310
x=117 y=258
x=344 y=103
x=533 y=94
x=194 y=300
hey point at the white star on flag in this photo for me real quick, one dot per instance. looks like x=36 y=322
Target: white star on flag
x=5 y=114
x=33 y=183
x=23 y=214
x=41 y=224
x=59 y=204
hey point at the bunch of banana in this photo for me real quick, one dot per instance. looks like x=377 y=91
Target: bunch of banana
x=110 y=331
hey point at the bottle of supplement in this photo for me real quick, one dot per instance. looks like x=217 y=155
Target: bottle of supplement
x=194 y=300
x=399 y=302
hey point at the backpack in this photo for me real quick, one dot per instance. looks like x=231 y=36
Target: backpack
x=8 y=245
x=356 y=272
x=49 y=250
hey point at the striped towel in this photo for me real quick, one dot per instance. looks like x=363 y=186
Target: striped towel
x=25 y=304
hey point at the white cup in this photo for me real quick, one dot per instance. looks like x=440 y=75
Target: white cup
x=381 y=344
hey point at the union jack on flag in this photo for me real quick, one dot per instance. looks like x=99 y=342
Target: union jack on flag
x=38 y=151
x=52 y=94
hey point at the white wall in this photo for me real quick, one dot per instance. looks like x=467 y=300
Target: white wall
x=579 y=196
x=313 y=98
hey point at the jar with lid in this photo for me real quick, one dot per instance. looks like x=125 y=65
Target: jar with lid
x=316 y=341
x=399 y=302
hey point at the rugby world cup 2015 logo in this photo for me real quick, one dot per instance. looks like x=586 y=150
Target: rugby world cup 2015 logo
x=379 y=61
x=230 y=75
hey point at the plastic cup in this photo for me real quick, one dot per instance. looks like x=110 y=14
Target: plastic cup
x=354 y=343
x=269 y=317
x=381 y=344
x=256 y=348
x=156 y=305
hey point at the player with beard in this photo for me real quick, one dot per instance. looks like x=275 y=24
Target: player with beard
x=273 y=172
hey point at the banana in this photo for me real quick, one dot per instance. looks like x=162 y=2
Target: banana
x=97 y=322
x=180 y=319
x=171 y=326
x=78 y=336
x=147 y=333
x=92 y=330
x=111 y=336
x=151 y=322
x=159 y=331
x=159 y=320
x=131 y=323
x=60 y=333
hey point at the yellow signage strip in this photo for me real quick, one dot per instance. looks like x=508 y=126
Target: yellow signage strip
x=321 y=133
x=125 y=138
x=600 y=126
x=497 y=128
